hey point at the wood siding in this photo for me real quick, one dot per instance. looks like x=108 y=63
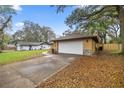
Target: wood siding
x=55 y=46
x=89 y=46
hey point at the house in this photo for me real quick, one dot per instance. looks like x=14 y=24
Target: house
x=22 y=45
x=75 y=44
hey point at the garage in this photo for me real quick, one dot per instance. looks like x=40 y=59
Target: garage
x=71 y=47
x=75 y=44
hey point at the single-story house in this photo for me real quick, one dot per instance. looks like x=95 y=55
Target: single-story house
x=75 y=44
x=22 y=45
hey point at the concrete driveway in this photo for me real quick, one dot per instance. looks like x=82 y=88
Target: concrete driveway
x=31 y=72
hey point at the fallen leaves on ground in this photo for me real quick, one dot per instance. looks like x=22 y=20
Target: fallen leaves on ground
x=96 y=71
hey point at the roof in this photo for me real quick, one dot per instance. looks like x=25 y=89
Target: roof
x=28 y=43
x=48 y=43
x=73 y=37
x=32 y=43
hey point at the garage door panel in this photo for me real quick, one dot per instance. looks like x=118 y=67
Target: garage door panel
x=70 y=47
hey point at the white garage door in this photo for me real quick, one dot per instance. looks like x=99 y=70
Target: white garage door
x=70 y=47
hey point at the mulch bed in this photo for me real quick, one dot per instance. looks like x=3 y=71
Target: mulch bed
x=96 y=71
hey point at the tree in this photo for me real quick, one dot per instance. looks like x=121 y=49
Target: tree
x=48 y=34
x=121 y=18
x=97 y=24
x=113 y=30
x=19 y=35
x=67 y=32
x=7 y=39
x=92 y=17
x=5 y=17
x=32 y=32
x=72 y=32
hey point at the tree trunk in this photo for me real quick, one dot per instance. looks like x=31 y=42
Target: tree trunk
x=1 y=40
x=121 y=17
x=104 y=37
x=2 y=33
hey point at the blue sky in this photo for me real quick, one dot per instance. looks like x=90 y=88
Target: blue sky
x=43 y=15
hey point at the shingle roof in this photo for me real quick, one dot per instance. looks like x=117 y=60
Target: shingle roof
x=73 y=37
x=48 y=43
x=32 y=43
x=28 y=43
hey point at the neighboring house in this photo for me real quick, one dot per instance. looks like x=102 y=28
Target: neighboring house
x=21 y=45
x=75 y=44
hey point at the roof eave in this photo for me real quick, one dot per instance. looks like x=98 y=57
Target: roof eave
x=93 y=37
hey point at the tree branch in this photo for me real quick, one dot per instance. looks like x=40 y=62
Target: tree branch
x=5 y=24
x=96 y=12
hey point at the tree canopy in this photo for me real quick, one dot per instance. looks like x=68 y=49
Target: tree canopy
x=34 y=32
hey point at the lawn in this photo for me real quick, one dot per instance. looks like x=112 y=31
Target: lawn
x=15 y=56
x=97 y=71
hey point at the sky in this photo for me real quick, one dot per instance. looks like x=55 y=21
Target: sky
x=43 y=15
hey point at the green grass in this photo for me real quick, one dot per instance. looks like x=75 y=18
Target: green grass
x=16 y=56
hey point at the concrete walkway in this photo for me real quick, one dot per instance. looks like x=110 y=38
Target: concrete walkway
x=31 y=72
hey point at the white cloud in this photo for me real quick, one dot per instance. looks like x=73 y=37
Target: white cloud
x=79 y=6
x=17 y=7
x=19 y=25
